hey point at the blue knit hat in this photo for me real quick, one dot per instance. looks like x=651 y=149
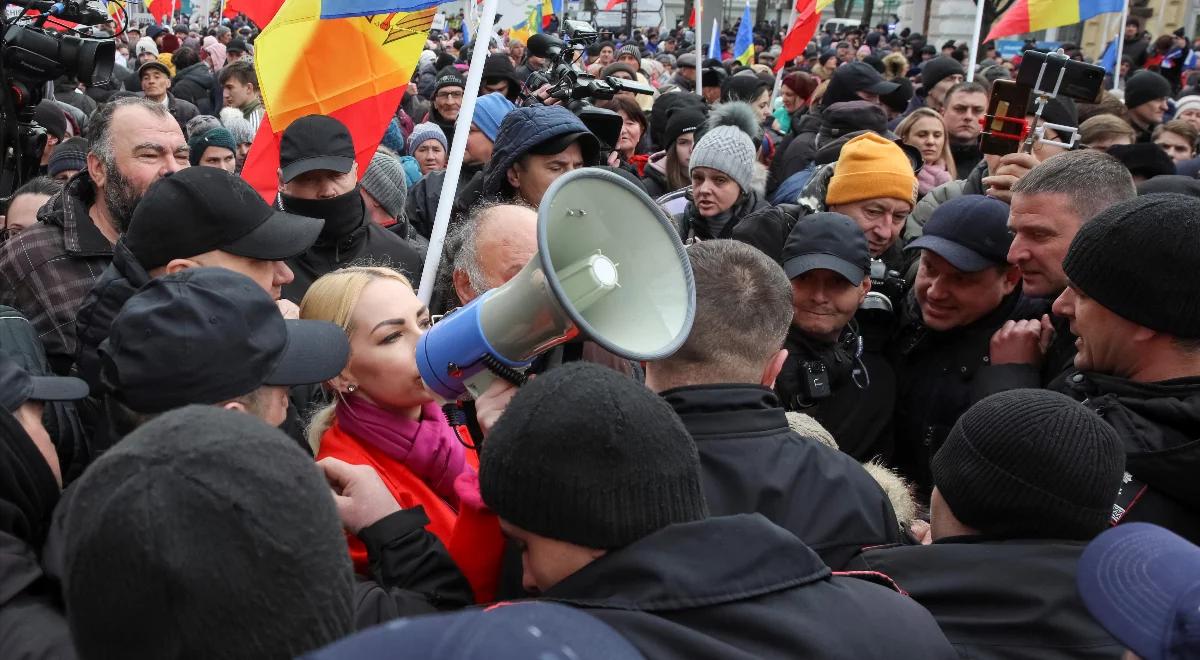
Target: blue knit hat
x=490 y=110
x=424 y=132
x=214 y=137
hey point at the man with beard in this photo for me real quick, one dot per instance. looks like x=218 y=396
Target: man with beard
x=46 y=270
x=318 y=178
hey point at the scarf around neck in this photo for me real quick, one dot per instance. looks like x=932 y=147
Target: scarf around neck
x=428 y=446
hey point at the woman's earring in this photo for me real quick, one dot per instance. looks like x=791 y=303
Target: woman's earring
x=351 y=387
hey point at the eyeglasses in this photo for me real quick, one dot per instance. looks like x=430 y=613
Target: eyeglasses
x=449 y=96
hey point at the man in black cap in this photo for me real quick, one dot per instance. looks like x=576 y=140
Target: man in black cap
x=168 y=534
x=155 y=78
x=1023 y=482
x=828 y=374
x=604 y=499
x=50 y=117
x=937 y=77
x=719 y=382
x=1138 y=358
x=236 y=51
x=318 y=178
x=446 y=101
x=965 y=290
x=1146 y=96
x=535 y=146
x=711 y=78
x=201 y=216
x=48 y=269
x=23 y=395
x=160 y=352
x=499 y=75
x=685 y=72
x=856 y=81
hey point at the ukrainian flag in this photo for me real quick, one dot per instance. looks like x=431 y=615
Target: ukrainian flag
x=743 y=45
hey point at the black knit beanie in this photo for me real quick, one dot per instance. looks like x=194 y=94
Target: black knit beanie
x=1030 y=464
x=680 y=121
x=448 y=77
x=205 y=533
x=1143 y=159
x=938 y=69
x=1145 y=86
x=1130 y=256
x=662 y=111
x=585 y=455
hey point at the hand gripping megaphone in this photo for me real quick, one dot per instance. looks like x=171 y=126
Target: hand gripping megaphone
x=609 y=267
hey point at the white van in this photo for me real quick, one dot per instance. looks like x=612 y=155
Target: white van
x=841 y=24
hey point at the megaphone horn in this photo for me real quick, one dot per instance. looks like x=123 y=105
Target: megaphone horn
x=609 y=267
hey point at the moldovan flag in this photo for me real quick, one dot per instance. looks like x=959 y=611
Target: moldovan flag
x=349 y=59
x=1033 y=15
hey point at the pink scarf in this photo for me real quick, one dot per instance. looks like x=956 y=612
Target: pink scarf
x=930 y=177
x=428 y=447
x=216 y=53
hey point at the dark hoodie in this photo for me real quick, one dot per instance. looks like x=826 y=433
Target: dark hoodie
x=348 y=236
x=835 y=120
x=1159 y=425
x=31 y=620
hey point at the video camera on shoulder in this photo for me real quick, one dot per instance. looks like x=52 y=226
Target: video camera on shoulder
x=576 y=89
x=1043 y=76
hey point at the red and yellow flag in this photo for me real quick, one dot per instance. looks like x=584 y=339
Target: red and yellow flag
x=349 y=59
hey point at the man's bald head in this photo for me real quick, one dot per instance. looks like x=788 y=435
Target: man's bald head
x=497 y=241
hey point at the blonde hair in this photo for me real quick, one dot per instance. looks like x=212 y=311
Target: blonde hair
x=929 y=113
x=333 y=298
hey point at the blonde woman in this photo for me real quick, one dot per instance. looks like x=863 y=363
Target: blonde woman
x=384 y=417
x=925 y=130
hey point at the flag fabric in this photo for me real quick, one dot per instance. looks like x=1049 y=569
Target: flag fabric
x=259 y=11
x=714 y=46
x=743 y=44
x=1109 y=59
x=692 y=18
x=807 y=19
x=822 y=4
x=612 y=3
x=466 y=31
x=348 y=59
x=1033 y=15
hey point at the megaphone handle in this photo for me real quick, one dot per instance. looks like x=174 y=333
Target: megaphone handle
x=479 y=383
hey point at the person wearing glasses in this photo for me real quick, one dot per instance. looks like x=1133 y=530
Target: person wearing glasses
x=447 y=101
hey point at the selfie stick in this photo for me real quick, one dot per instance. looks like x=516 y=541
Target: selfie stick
x=1037 y=128
x=462 y=128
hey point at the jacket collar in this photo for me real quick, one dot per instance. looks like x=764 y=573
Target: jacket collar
x=725 y=409
x=69 y=210
x=697 y=564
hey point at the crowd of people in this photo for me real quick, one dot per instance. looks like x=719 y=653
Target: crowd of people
x=934 y=403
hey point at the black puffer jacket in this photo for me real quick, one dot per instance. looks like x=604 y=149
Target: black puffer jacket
x=999 y=599
x=739 y=587
x=195 y=84
x=117 y=284
x=752 y=462
x=934 y=372
x=1159 y=425
x=799 y=151
x=862 y=391
x=420 y=207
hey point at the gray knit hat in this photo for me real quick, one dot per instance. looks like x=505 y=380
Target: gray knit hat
x=726 y=149
x=385 y=181
x=423 y=132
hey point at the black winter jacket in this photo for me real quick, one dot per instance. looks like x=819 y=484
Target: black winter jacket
x=411 y=572
x=117 y=284
x=739 y=587
x=344 y=240
x=1059 y=358
x=966 y=157
x=799 y=151
x=862 y=391
x=1159 y=425
x=999 y=599
x=195 y=85
x=934 y=372
x=420 y=207
x=752 y=462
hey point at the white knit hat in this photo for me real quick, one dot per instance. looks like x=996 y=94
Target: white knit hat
x=1188 y=102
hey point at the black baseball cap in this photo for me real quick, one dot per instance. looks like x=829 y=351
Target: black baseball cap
x=200 y=209
x=17 y=386
x=236 y=45
x=971 y=232
x=862 y=77
x=315 y=142
x=831 y=241
x=208 y=335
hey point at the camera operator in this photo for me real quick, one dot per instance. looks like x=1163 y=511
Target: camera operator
x=828 y=373
x=46 y=270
